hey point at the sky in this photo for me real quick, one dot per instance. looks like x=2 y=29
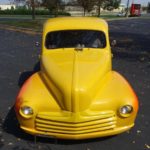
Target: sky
x=143 y=2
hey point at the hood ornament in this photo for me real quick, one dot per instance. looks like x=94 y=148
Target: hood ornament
x=79 y=47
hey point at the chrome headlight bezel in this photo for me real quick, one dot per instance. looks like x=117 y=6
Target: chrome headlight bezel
x=126 y=110
x=26 y=111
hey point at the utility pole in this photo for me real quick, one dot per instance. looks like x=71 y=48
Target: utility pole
x=128 y=2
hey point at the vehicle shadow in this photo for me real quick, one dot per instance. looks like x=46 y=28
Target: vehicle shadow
x=1 y=142
x=10 y=124
x=25 y=75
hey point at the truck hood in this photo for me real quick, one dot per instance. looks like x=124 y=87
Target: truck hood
x=74 y=77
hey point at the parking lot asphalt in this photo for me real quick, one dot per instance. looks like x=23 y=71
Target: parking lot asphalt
x=131 y=57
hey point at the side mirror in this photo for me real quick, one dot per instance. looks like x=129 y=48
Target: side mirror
x=37 y=44
x=113 y=43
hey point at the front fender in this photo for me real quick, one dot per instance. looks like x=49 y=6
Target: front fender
x=34 y=93
x=116 y=92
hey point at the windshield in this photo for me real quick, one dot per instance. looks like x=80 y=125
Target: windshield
x=137 y=6
x=75 y=38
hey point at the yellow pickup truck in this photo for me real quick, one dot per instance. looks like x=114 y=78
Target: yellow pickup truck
x=76 y=94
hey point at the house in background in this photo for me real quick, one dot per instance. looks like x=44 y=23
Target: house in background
x=75 y=10
x=7 y=6
x=122 y=7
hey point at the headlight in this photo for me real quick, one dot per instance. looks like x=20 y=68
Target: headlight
x=126 y=110
x=26 y=111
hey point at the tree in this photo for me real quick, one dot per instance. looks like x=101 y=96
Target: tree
x=17 y=2
x=33 y=4
x=99 y=4
x=52 y=5
x=111 y=4
x=30 y=3
x=87 y=5
x=144 y=8
x=148 y=7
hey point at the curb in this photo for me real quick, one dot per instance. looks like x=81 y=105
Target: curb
x=19 y=29
x=31 y=31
